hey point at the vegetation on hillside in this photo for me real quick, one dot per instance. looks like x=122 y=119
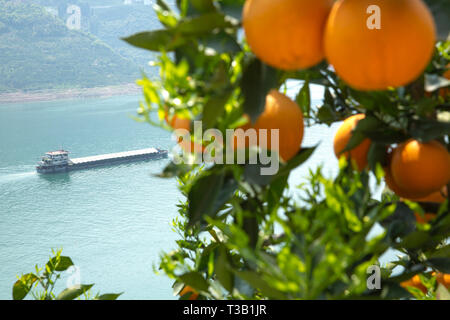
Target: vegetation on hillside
x=37 y=51
x=113 y=23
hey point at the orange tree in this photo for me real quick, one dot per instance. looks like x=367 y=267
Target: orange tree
x=245 y=235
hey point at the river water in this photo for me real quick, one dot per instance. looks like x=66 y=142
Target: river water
x=114 y=222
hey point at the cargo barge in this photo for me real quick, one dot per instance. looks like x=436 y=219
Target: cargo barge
x=59 y=161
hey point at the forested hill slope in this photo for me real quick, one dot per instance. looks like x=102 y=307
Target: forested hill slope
x=111 y=20
x=38 y=51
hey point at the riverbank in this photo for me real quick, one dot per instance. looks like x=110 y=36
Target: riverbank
x=64 y=94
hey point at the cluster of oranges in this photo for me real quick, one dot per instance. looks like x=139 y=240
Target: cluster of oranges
x=298 y=34
x=416 y=171
x=372 y=44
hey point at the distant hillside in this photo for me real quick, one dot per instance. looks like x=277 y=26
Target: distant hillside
x=112 y=23
x=37 y=51
x=110 y=20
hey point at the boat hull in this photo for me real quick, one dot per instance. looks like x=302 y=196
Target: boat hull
x=52 y=169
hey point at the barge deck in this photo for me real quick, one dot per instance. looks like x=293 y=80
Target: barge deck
x=58 y=161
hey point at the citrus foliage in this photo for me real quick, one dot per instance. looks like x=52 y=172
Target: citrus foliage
x=247 y=236
x=41 y=283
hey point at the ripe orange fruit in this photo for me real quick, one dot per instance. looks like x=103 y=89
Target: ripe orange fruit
x=280 y=113
x=447 y=73
x=342 y=137
x=191 y=146
x=187 y=289
x=414 y=282
x=420 y=169
x=375 y=59
x=390 y=182
x=286 y=34
x=438 y=196
x=180 y=123
x=185 y=143
x=176 y=122
x=444 y=279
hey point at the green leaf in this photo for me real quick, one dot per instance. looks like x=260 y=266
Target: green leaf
x=326 y=114
x=303 y=99
x=193 y=8
x=440 y=263
x=392 y=290
x=313 y=75
x=203 y=24
x=214 y=108
x=255 y=280
x=208 y=194
x=415 y=240
x=109 y=296
x=232 y=8
x=300 y=158
x=428 y=129
x=221 y=42
x=186 y=244
x=165 y=15
x=195 y=280
x=173 y=170
x=203 y=6
x=328 y=97
x=374 y=100
x=61 y=264
x=385 y=135
x=377 y=154
x=221 y=267
x=159 y=40
x=426 y=106
x=257 y=80
x=442 y=252
x=205 y=258
x=74 y=292
x=367 y=124
x=23 y=286
x=400 y=223
x=251 y=228
x=163 y=5
x=275 y=192
x=252 y=174
x=183 y=7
